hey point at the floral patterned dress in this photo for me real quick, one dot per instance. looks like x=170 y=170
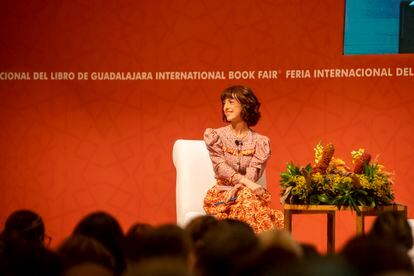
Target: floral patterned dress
x=234 y=158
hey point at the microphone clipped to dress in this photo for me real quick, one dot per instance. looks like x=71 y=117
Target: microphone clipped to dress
x=238 y=143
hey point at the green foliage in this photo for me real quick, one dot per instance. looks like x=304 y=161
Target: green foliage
x=372 y=188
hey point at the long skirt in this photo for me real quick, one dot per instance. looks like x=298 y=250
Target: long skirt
x=245 y=206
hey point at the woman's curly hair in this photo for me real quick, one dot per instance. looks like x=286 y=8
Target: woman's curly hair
x=245 y=96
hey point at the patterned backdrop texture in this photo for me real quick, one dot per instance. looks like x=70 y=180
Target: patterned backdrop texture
x=72 y=147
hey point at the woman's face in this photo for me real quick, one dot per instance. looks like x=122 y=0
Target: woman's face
x=232 y=110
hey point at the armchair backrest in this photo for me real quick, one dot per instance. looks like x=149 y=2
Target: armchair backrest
x=195 y=175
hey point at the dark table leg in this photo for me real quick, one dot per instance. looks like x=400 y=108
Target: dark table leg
x=360 y=223
x=330 y=232
x=288 y=220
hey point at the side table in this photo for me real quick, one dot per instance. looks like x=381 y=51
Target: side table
x=330 y=211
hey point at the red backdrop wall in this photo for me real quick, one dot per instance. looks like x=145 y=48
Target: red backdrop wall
x=72 y=147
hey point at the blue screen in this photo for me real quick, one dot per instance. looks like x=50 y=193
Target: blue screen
x=372 y=26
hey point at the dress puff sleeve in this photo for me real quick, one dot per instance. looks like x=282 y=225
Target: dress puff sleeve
x=258 y=163
x=215 y=148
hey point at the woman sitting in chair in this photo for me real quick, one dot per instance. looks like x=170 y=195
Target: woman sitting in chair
x=239 y=157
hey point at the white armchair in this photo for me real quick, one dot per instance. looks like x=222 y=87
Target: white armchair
x=195 y=175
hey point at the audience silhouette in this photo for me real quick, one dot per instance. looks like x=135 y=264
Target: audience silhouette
x=206 y=246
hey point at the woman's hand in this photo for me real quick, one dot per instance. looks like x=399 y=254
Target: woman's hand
x=258 y=189
x=231 y=193
x=254 y=187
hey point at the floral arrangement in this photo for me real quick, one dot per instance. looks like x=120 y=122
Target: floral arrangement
x=330 y=181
